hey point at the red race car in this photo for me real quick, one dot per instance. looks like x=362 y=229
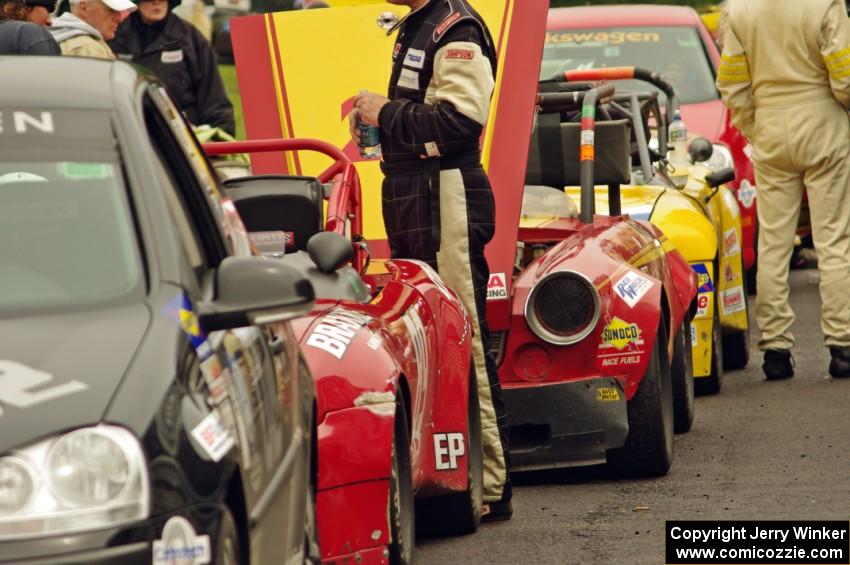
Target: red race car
x=673 y=41
x=595 y=361
x=389 y=347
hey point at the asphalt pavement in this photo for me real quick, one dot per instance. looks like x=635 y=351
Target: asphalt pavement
x=757 y=451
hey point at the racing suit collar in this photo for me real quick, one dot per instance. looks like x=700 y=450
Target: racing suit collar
x=413 y=14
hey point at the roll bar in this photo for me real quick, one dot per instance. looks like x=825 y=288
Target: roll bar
x=344 y=203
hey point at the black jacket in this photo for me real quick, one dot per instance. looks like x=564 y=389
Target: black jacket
x=25 y=38
x=184 y=60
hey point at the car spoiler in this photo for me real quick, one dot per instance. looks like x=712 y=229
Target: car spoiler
x=344 y=201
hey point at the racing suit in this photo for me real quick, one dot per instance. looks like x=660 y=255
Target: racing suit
x=785 y=76
x=436 y=199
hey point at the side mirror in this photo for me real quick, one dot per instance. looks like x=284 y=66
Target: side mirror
x=700 y=150
x=329 y=251
x=254 y=290
x=720 y=177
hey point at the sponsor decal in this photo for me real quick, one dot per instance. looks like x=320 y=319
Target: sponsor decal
x=704 y=284
x=396 y=50
x=336 y=330
x=17 y=382
x=497 y=287
x=180 y=544
x=175 y=56
x=731 y=246
x=619 y=334
x=213 y=436
x=408 y=79
x=632 y=287
x=447 y=449
x=694 y=338
x=216 y=383
x=460 y=54
x=621 y=361
x=431 y=149
x=612 y=38
x=588 y=136
x=607 y=394
x=703 y=303
x=445 y=24
x=374 y=342
x=415 y=58
x=729 y=273
x=746 y=194
x=733 y=300
x=23 y=122
x=272 y=242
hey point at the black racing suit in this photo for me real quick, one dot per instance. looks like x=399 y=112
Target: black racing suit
x=25 y=38
x=437 y=201
x=184 y=60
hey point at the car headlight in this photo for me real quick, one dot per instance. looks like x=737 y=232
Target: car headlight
x=87 y=479
x=721 y=158
x=563 y=308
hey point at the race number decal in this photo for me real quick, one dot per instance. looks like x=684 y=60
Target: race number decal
x=447 y=449
x=17 y=382
x=497 y=287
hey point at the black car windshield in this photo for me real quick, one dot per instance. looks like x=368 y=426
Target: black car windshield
x=676 y=52
x=67 y=238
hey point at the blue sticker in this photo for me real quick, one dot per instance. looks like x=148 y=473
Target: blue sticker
x=180 y=310
x=704 y=284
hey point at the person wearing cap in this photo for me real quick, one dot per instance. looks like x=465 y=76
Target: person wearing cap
x=182 y=58
x=40 y=11
x=84 y=31
x=20 y=37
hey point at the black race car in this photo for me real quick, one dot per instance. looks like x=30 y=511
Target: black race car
x=154 y=405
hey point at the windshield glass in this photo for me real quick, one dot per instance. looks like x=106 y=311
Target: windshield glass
x=676 y=52
x=67 y=237
x=547 y=202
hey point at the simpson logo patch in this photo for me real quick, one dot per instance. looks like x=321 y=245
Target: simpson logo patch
x=460 y=54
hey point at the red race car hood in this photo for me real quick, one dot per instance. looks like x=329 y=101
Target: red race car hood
x=704 y=119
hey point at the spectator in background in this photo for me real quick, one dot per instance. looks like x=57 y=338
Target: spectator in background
x=20 y=37
x=84 y=31
x=181 y=57
x=40 y=11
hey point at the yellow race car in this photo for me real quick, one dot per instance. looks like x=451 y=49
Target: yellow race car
x=691 y=205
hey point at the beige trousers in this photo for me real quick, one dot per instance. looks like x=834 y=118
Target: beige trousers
x=803 y=146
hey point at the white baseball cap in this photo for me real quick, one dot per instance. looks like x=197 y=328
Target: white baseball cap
x=117 y=5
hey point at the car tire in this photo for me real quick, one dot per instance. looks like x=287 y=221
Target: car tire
x=682 y=379
x=312 y=555
x=459 y=513
x=648 y=451
x=705 y=386
x=227 y=546
x=736 y=345
x=401 y=511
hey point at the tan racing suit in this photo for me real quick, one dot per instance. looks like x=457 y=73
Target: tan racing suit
x=785 y=76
